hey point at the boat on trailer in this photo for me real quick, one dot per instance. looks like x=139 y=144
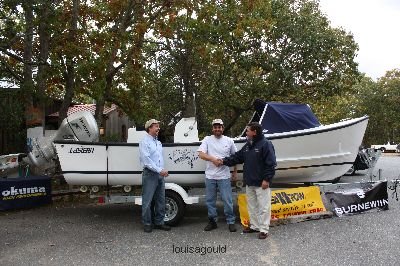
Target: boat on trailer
x=306 y=151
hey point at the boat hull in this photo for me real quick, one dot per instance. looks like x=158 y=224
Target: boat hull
x=312 y=155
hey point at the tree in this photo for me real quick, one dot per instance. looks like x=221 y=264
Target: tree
x=24 y=49
x=383 y=108
x=69 y=61
x=379 y=100
x=162 y=58
x=117 y=39
x=229 y=53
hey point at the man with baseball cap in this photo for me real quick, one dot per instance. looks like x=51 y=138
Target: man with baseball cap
x=212 y=148
x=153 y=183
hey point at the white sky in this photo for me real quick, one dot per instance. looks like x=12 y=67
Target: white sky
x=375 y=27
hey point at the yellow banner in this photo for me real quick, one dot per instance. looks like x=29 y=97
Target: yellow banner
x=287 y=202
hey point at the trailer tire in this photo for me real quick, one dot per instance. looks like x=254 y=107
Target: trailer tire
x=174 y=208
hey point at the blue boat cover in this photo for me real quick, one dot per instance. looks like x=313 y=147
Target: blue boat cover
x=283 y=117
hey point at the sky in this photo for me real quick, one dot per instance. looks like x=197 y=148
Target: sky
x=375 y=27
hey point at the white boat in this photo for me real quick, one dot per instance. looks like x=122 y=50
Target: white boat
x=315 y=154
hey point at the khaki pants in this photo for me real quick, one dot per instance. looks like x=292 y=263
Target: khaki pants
x=259 y=207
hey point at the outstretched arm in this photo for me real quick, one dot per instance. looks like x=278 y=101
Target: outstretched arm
x=209 y=158
x=236 y=158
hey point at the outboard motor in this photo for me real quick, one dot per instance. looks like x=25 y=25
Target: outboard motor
x=79 y=126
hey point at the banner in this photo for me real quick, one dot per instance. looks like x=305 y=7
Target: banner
x=287 y=203
x=356 y=200
x=26 y=192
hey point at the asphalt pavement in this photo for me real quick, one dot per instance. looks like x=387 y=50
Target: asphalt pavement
x=88 y=234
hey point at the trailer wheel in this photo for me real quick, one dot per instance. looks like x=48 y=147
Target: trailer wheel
x=383 y=149
x=174 y=208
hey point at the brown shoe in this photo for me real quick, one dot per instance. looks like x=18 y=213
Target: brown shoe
x=248 y=230
x=262 y=235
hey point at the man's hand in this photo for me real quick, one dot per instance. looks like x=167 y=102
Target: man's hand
x=164 y=173
x=264 y=184
x=217 y=162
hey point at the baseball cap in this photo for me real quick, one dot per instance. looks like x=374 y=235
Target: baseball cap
x=217 y=121
x=150 y=122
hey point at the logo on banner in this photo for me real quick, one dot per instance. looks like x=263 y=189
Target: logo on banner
x=286 y=198
x=352 y=201
x=26 y=192
x=361 y=194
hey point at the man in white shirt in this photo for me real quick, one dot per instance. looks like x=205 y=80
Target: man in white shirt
x=212 y=148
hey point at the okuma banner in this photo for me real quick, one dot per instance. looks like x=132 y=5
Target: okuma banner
x=366 y=197
x=287 y=203
x=26 y=192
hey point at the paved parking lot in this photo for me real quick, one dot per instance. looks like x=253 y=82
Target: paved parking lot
x=89 y=234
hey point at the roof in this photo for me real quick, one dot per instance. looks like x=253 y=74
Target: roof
x=87 y=107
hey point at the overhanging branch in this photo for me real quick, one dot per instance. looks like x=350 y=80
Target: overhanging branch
x=16 y=57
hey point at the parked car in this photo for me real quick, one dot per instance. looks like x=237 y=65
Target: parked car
x=390 y=146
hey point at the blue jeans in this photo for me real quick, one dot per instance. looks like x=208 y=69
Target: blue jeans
x=225 y=189
x=153 y=188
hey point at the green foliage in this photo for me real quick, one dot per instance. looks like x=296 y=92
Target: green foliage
x=229 y=53
x=381 y=101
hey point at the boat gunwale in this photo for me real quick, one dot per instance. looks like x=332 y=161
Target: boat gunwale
x=283 y=135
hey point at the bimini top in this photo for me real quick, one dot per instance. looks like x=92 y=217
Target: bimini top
x=283 y=117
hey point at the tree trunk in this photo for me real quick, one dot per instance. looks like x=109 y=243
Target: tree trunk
x=44 y=39
x=111 y=71
x=27 y=84
x=69 y=75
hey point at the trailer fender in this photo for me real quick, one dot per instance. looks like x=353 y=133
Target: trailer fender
x=178 y=189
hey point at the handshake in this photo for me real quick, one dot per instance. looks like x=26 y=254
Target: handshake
x=217 y=162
